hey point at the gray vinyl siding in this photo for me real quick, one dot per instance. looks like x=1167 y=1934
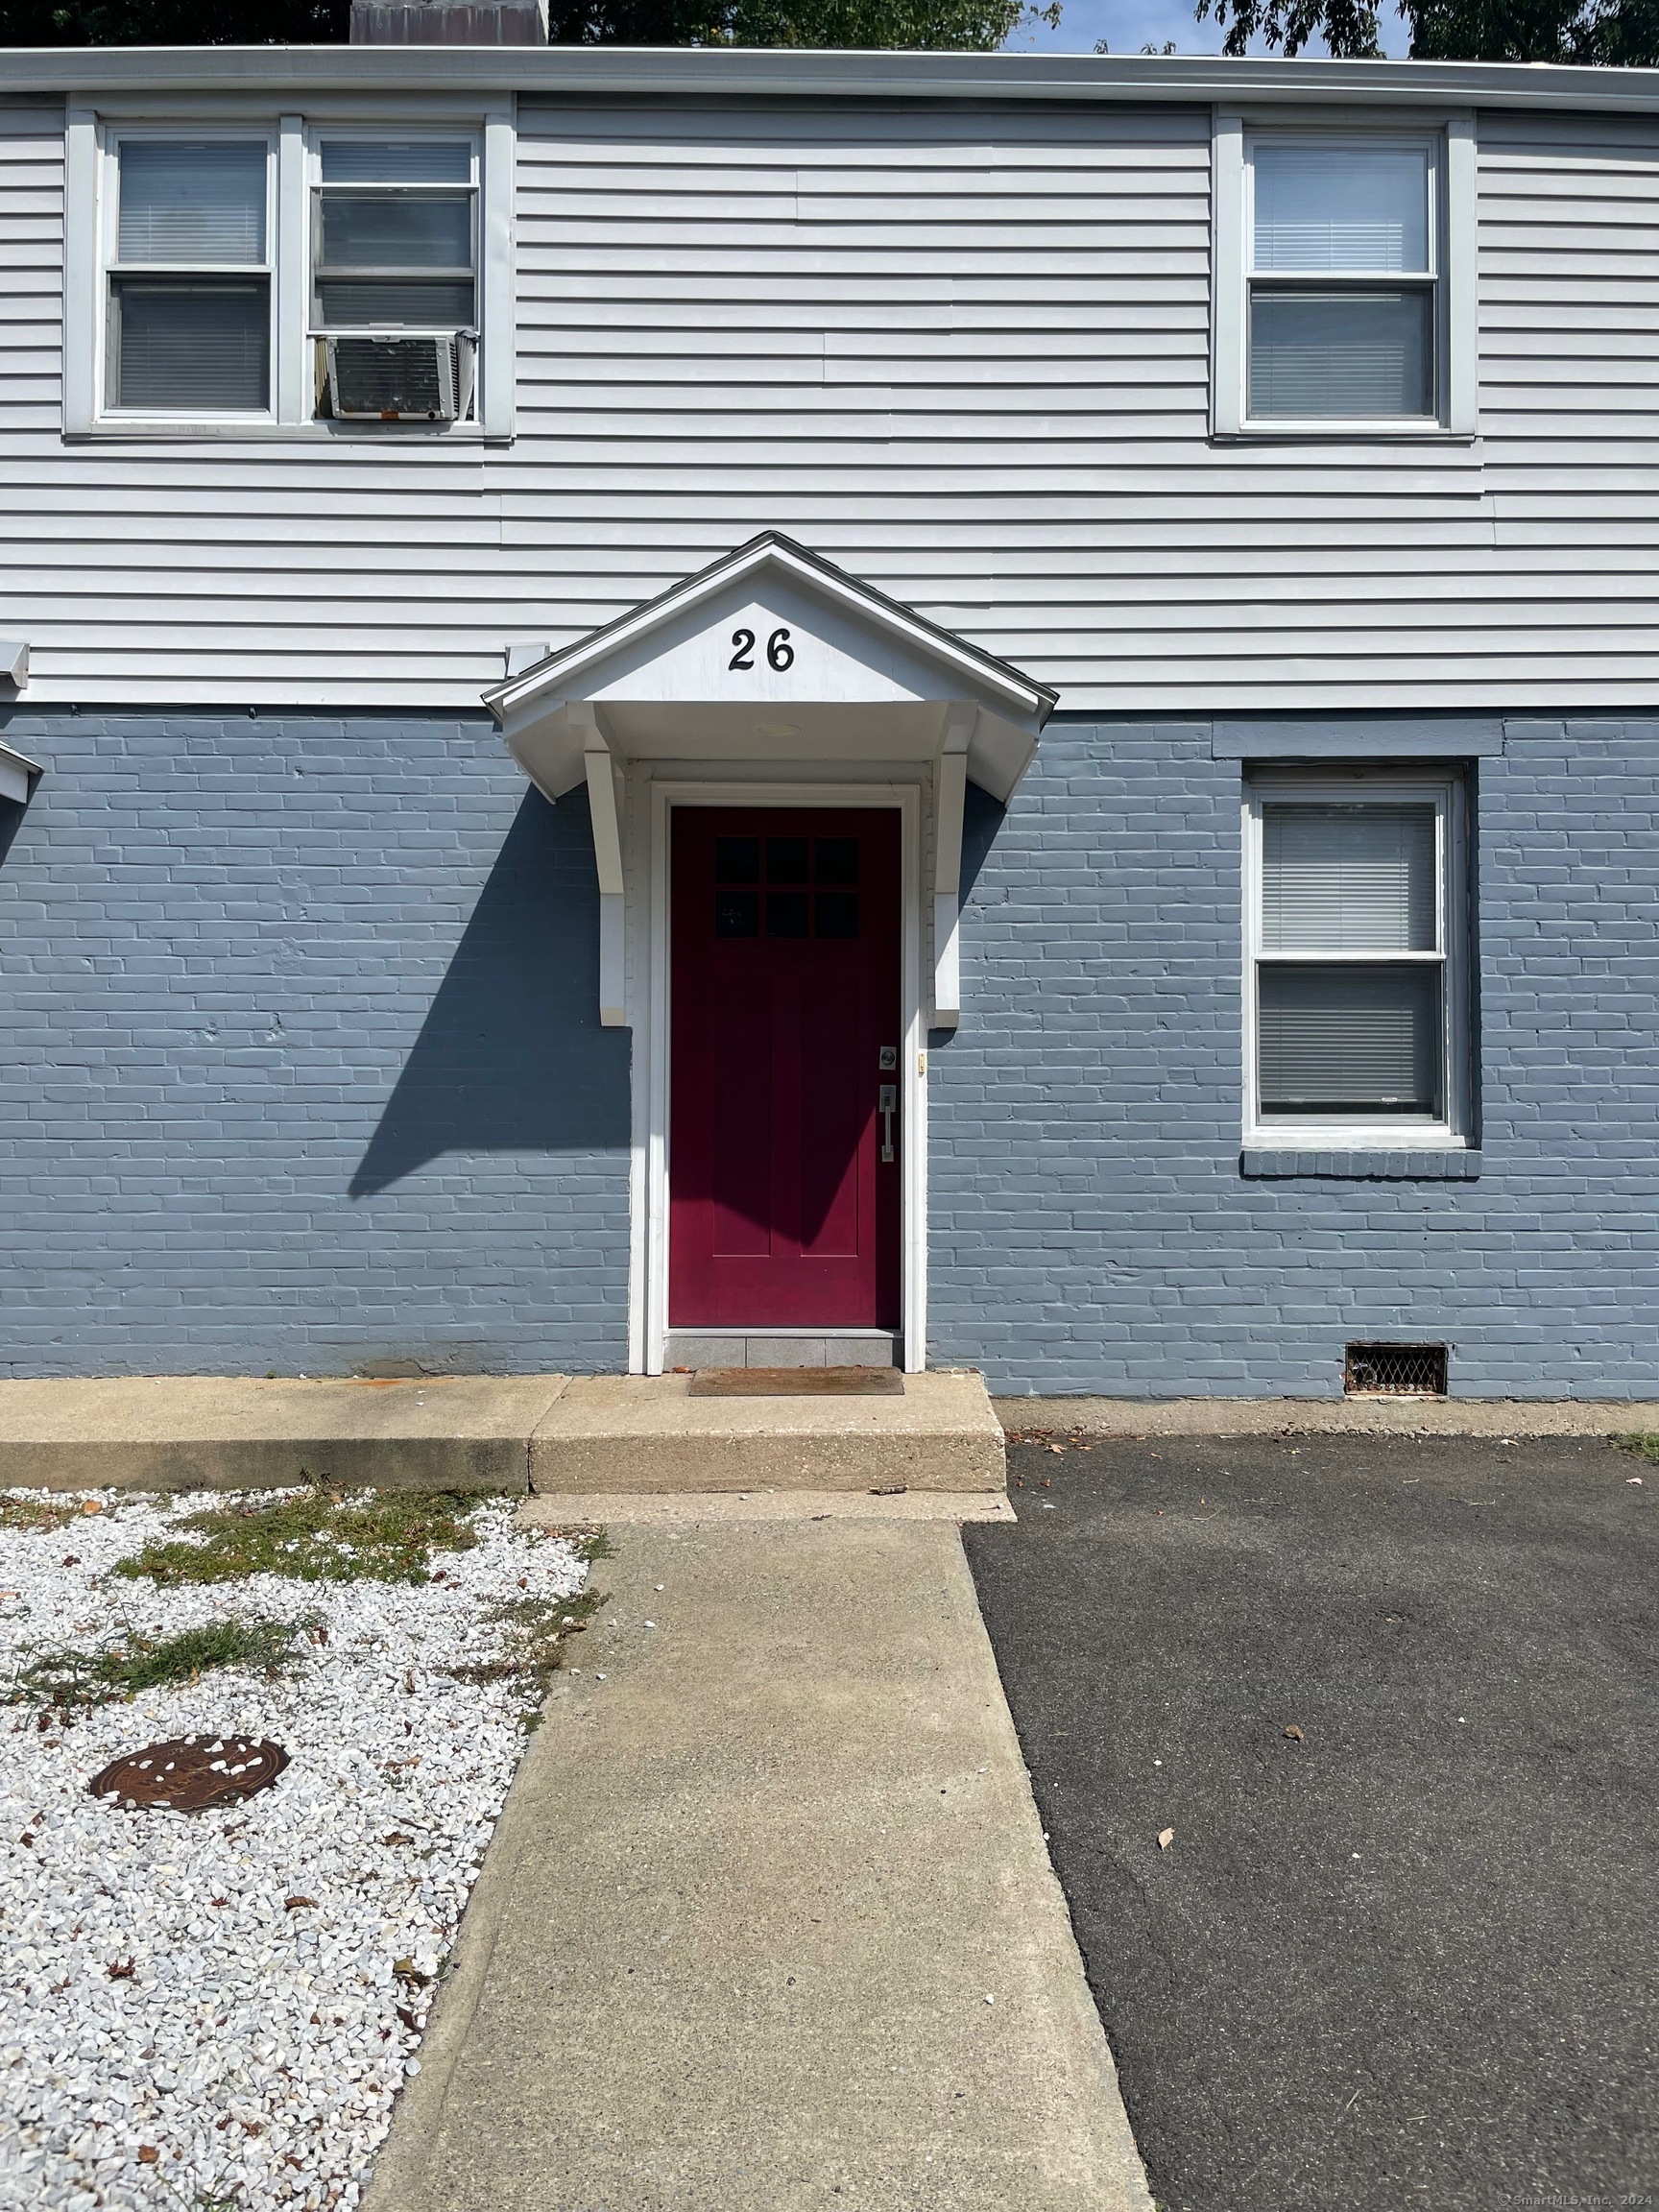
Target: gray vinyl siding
x=963 y=352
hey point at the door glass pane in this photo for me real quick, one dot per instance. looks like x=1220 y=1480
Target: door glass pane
x=736 y=913
x=181 y=344
x=397 y=162
x=394 y=303
x=366 y=231
x=1353 y=207
x=1366 y=355
x=837 y=859
x=736 y=860
x=183 y=200
x=785 y=913
x=1350 y=1040
x=838 y=914
x=1348 y=879
x=785 y=859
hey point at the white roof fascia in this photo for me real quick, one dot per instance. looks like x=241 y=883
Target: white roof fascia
x=561 y=674
x=580 y=72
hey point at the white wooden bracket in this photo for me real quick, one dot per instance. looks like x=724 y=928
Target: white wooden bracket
x=950 y=794
x=604 y=806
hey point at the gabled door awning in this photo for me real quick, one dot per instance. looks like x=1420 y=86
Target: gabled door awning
x=773 y=655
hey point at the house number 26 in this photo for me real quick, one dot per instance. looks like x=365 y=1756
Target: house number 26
x=780 y=653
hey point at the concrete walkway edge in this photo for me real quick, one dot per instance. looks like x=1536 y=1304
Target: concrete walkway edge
x=1512 y=1417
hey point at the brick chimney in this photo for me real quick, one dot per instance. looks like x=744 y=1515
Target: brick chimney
x=448 y=22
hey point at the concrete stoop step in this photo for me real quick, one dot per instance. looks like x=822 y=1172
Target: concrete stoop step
x=515 y=1433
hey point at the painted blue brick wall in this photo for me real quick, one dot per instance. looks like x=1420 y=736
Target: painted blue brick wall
x=299 y=1053
x=1091 y=1230
x=300 y=1071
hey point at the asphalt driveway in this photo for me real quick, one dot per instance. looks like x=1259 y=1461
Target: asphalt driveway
x=1412 y=1959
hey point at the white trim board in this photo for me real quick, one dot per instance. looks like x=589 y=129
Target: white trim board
x=648 y=1008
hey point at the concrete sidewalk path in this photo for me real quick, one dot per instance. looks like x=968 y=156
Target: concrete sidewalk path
x=768 y=1924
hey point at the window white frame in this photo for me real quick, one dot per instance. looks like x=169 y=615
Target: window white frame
x=1323 y=1131
x=111 y=265
x=91 y=187
x=1453 y=235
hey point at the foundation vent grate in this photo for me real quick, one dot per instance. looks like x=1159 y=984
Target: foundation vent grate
x=1395 y=1371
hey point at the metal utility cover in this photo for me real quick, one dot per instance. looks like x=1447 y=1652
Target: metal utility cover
x=189 y=1773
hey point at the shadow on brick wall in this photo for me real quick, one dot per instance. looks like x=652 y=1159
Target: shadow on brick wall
x=511 y=1058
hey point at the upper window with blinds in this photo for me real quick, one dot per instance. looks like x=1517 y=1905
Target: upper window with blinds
x=189 y=276
x=1355 y=981
x=393 y=224
x=1344 y=318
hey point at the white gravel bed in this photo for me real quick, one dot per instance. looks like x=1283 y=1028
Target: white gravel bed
x=201 y=2011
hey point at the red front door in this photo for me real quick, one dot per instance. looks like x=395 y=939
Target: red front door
x=784 y=1181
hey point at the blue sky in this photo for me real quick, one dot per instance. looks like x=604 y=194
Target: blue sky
x=1128 y=25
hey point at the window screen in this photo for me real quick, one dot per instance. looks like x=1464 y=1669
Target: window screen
x=1330 y=335
x=189 y=302
x=1350 y=959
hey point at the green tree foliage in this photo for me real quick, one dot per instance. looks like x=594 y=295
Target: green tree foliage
x=972 y=25
x=966 y=25
x=1592 y=33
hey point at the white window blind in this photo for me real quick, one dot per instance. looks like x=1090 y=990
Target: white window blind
x=184 y=347
x=1348 y=879
x=1362 y=356
x=1341 y=210
x=192 y=203
x=1340 y=1040
x=1329 y=336
x=189 y=302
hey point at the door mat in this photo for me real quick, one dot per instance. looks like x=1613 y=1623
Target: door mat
x=796 y=1382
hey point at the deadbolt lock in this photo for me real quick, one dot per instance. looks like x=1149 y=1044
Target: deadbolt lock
x=888 y=1058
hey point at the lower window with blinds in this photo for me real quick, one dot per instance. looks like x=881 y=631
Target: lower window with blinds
x=1355 y=1030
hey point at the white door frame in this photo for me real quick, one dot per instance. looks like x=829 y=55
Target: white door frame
x=648 y=1176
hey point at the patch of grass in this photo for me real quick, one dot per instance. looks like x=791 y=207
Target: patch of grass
x=17 y=1511
x=1643 y=1446
x=531 y=1645
x=315 y=1535
x=64 y=1678
x=588 y=1542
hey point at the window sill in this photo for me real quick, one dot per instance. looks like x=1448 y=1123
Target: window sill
x=308 y=433
x=1370 y=1164
x=1343 y=434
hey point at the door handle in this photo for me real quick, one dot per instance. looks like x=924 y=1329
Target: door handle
x=887 y=1105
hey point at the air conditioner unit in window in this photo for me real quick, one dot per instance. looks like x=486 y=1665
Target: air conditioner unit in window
x=399 y=379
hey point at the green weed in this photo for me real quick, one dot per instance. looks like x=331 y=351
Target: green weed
x=315 y=1537
x=17 y=1511
x=64 y=1678
x=533 y=1632
x=588 y=1543
x=1643 y=1446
